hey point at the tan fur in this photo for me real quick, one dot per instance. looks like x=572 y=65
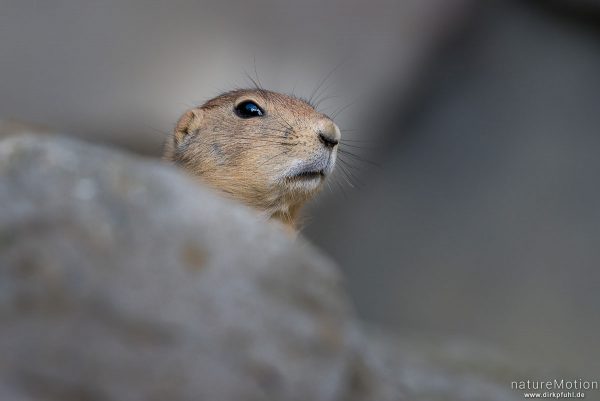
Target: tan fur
x=257 y=160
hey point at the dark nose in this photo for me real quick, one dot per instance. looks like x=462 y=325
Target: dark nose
x=329 y=133
x=328 y=140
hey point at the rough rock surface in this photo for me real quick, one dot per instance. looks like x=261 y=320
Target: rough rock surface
x=121 y=279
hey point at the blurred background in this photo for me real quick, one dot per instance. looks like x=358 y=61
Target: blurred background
x=471 y=135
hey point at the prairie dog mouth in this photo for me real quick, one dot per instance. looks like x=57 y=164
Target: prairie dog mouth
x=308 y=170
x=307 y=175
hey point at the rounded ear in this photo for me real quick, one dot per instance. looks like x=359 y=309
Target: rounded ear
x=188 y=123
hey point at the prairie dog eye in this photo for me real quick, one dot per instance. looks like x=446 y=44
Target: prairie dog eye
x=248 y=109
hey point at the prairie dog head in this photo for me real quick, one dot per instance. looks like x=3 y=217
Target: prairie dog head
x=270 y=151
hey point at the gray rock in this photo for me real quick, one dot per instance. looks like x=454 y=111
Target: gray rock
x=122 y=279
x=446 y=370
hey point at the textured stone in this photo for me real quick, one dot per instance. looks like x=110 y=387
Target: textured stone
x=122 y=279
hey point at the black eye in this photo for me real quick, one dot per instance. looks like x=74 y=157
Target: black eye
x=248 y=109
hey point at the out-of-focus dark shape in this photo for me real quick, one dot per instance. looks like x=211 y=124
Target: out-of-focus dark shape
x=483 y=219
x=583 y=14
x=122 y=279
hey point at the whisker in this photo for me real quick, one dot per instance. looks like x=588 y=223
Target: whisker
x=339 y=111
x=271 y=158
x=354 y=146
x=256 y=84
x=256 y=74
x=348 y=164
x=356 y=140
x=340 y=186
x=322 y=81
x=324 y=99
x=347 y=170
x=251 y=139
x=346 y=177
x=357 y=157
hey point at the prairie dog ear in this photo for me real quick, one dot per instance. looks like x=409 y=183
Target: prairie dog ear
x=187 y=124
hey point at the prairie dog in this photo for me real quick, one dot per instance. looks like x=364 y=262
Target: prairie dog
x=267 y=150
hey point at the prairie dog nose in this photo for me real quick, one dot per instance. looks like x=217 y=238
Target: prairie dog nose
x=328 y=132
